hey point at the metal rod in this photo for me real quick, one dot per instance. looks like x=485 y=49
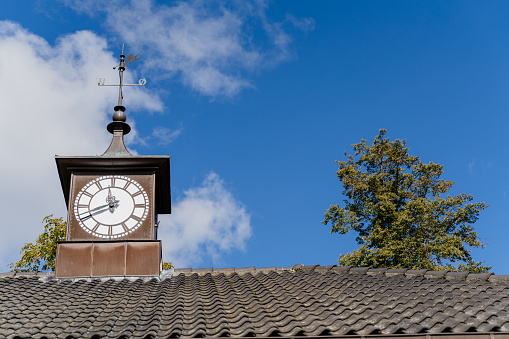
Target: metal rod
x=121 y=69
x=124 y=85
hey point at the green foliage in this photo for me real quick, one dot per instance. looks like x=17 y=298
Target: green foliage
x=41 y=255
x=167 y=265
x=395 y=203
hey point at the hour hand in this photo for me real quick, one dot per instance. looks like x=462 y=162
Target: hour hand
x=111 y=200
x=113 y=204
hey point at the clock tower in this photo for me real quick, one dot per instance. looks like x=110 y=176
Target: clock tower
x=113 y=201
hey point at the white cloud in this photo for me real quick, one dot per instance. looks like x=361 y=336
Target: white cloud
x=50 y=104
x=471 y=166
x=166 y=135
x=208 y=44
x=207 y=222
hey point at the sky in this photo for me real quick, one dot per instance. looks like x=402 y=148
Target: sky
x=254 y=101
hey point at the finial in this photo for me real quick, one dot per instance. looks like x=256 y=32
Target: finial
x=118 y=127
x=119 y=117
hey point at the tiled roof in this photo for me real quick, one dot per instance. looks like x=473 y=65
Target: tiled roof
x=292 y=301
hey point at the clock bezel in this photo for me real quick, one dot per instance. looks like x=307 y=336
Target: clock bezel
x=93 y=224
x=79 y=179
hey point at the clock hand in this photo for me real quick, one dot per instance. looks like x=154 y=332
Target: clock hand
x=90 y=213
x=111 y=200
x=97 y=208
x=113 y=205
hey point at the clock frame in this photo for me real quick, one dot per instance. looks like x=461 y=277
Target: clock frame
x=90 y=186
x=111 y=206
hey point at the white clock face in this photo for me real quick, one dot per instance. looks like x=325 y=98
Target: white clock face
x=111 y=206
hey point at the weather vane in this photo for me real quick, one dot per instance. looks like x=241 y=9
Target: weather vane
x=121 y=68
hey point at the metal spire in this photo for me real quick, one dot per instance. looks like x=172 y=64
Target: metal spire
x=121 y=69
x=118 y=127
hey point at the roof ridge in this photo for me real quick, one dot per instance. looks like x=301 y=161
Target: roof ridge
x=389 y=272
x=406 y=272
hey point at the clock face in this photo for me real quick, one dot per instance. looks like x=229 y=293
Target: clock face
x=111 y=206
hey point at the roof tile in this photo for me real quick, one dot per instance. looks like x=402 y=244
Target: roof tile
x=298 y=300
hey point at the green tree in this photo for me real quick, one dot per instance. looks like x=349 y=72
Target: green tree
x=396 y=205
x=167 y=265
x=41 y=255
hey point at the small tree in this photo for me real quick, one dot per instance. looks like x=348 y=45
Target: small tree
x=41 y=255
x=167 y=265
x=395 y=204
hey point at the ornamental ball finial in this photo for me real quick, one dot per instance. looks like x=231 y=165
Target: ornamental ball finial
x=119 y=114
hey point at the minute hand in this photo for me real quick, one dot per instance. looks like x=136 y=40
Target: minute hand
x=99 y=207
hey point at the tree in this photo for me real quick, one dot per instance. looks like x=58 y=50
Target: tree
x=167 y=265
x=41 y=255
x=396 y=205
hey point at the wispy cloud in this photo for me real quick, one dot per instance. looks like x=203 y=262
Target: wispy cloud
x=210 y=45
x=165 y=135
x=206 y=223
x=471 y=166
x=479 y=167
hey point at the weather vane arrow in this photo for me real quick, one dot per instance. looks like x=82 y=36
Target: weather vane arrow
x=130 y=59
x=121 y=68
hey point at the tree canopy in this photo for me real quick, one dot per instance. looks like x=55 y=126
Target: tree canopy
x=396 y=204
x=41 y=255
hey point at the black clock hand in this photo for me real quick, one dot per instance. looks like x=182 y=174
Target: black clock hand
x=99 y=207
x=111 y=200
x=95 y=209
x=91 y=214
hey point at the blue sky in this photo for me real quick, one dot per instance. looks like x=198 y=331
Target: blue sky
x=254 y=101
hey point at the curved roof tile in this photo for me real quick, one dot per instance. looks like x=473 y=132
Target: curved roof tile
x=293 y=301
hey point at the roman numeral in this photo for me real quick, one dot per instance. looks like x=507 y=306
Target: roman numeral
x=135 y=217
x=127 y=185
x=125 y=227
x=137 y=193
x=139 y=205
x=96 y=227
x=98 y=184
x=112 y=182
x=82 y=206
x=88 y=194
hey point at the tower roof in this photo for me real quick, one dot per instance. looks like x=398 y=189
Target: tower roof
x=158 y=163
